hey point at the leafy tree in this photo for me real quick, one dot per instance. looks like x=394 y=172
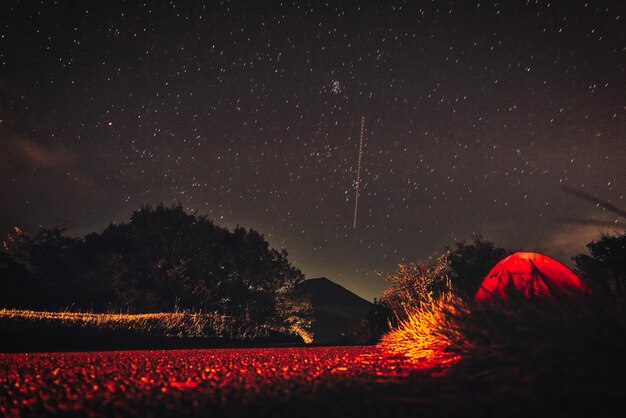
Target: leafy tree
x=154 y=259
x=40 y=272
x=13 y=276
x=469 y=263
x=604 y=266
x=162 y=260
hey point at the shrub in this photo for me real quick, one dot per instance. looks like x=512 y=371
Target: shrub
x=416 y=283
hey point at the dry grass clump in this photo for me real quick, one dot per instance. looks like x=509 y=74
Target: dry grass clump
x=423 y=304
x=428 y=334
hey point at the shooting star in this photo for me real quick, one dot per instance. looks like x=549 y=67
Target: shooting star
x=358 y=174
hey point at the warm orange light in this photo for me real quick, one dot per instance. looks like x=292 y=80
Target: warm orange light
x=425 y=336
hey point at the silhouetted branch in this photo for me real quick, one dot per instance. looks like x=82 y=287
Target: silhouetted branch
x=602 y=203
x=594 y=222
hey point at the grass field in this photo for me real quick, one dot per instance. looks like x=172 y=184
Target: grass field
x=27 y=331
x=179 y=324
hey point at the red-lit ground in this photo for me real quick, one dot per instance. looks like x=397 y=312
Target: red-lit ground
x=280 y=382
x=225 y=382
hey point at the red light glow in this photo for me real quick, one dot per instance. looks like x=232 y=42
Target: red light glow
x=531 y=274
x=102 y=382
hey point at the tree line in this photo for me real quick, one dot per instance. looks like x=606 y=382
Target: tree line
x=163 y=260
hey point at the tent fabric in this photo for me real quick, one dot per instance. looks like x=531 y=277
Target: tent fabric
x=530 y=274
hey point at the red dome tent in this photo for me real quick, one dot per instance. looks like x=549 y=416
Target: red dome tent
x=531 y=274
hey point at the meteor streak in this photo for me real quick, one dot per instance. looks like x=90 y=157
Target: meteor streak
x=358 y=174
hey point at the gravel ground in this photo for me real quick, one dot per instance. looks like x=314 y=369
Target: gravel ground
x=263 y=382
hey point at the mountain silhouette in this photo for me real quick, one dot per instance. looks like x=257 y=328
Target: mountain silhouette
x=335 y=308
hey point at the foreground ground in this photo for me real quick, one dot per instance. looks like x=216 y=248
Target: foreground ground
x=294 y=382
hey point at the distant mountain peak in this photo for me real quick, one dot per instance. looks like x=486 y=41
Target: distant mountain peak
x=334 y=307
x=324 y=284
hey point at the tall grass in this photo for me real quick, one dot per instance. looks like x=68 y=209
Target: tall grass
x=428 y=335
x=561 y=354
x=174 y=324
x=573 y=333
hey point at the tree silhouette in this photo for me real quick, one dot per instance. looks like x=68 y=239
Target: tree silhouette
x=604 y=267
x=162 y=260
x=36 y=268
x=469 y=263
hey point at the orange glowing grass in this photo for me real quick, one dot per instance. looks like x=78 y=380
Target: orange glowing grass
x=179 y=324
x=428 y=337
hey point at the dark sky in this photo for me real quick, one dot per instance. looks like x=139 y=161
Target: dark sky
x=477 y=113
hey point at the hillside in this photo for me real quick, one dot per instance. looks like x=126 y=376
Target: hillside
x=335 y=308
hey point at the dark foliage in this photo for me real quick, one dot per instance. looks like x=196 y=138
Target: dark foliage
x=379 y=319
x=164 y=259
x=370 y=329
x=561 y=354
x=33 y=333
x=470 y=263
x=40 y=271
x=604 y=267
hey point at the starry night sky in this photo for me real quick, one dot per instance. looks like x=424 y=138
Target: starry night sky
x=477 y=113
